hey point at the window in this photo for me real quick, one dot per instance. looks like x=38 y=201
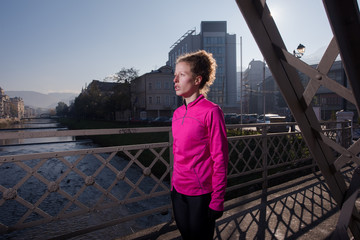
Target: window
x=157 y=100
x=220 y=50
x=150 y=100
x=158 y=84
x=167 y=101
x=220 y=40
x=150 y=85
x=167 y=85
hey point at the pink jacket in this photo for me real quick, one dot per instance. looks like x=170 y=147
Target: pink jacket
x=200 y=151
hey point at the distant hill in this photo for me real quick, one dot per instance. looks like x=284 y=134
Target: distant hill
x=40 y=100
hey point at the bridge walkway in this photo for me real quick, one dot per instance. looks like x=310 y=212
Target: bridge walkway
x=299 y=209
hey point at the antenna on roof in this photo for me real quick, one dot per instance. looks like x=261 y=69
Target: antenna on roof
x=190 y=32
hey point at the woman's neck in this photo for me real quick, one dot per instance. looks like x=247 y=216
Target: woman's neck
x=191 y=98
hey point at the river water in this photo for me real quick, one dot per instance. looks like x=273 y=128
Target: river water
x=33 y=189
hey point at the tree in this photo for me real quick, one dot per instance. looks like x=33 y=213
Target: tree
x=62 y=109
x=97 y=103
x=126 y=75
x=13 y=110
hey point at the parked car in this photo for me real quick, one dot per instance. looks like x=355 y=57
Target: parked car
x=229 y=117
x=163 y=120
x=273 y=118
x=266 y=119
x=250 y=118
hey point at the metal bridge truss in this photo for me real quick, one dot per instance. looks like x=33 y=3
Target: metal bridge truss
x=344 y=19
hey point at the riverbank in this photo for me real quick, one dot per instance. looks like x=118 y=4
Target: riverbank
x=7 y=122
x=118 y=139
x=146 y=157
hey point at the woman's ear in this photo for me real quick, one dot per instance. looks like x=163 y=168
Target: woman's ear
x=198 y=80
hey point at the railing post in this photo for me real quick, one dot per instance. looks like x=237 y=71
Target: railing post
x=171 y=154
x=344 y=134
x=264 y=157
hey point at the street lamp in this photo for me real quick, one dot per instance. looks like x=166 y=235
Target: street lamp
x=299 y=51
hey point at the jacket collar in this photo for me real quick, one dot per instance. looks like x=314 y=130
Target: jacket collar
x=194 y=102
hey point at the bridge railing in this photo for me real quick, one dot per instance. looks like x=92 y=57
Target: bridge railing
x=123 y=189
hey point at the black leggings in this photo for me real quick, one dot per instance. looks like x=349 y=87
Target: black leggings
x=192 y=216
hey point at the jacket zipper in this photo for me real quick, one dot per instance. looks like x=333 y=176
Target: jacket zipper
x=184 y=115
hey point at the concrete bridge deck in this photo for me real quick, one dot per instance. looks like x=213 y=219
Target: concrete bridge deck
x=298 y=209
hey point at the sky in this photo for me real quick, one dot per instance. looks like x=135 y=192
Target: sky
x=62 y=45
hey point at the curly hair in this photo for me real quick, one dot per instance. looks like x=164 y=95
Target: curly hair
x=202 y=64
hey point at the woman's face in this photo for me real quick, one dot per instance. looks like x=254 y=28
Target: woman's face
x=185 y=82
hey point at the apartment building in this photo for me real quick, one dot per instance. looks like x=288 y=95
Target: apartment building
x=11 y=107
x=213 y=38
x=153 y=94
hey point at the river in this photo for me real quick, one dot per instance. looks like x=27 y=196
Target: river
x=33 y=189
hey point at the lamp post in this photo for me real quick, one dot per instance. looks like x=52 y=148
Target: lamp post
x=264 y=97
x=299 y=51
x=241 y=84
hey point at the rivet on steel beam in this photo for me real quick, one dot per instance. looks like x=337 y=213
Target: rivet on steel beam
x=121 y=176
x=318 y=76
x=89 y=180
x=147 y=171
x=10 y=194
x=53 y=187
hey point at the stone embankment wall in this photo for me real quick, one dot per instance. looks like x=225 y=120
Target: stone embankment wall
x=7 y=122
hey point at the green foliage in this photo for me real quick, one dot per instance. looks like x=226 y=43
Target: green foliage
x=62 y=109
x=126 y=75
x=13 y=110
x=239 y=132
x=96 y=103
x=120 y=99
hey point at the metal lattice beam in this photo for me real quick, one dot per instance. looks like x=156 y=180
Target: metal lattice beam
x=345 y=22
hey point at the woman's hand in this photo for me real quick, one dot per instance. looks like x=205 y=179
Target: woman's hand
x=213 y=214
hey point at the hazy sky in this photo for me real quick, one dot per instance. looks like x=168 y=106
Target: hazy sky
x=60 y=45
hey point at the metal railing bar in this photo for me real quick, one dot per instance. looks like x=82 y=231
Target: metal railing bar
x=88 y=132
x=31 y=156
x=245 y=173
x=235 y=187
x=43 y=143
x=288 y=163
x=232 y=176
x=111 y=223
x=275 y=175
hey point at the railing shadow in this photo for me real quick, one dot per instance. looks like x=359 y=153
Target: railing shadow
x=302 y=208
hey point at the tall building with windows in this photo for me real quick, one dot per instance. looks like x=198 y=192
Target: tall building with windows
x=213 y=38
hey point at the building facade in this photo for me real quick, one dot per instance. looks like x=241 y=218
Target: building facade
x=253 y=77
x=153 y=94
x=3 y=99
x=215 y=39
x=11 y=107
x=325 y=100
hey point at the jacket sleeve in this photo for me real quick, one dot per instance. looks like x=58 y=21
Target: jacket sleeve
x=220 y=156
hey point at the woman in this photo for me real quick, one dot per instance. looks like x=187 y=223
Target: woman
x=200 y=149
